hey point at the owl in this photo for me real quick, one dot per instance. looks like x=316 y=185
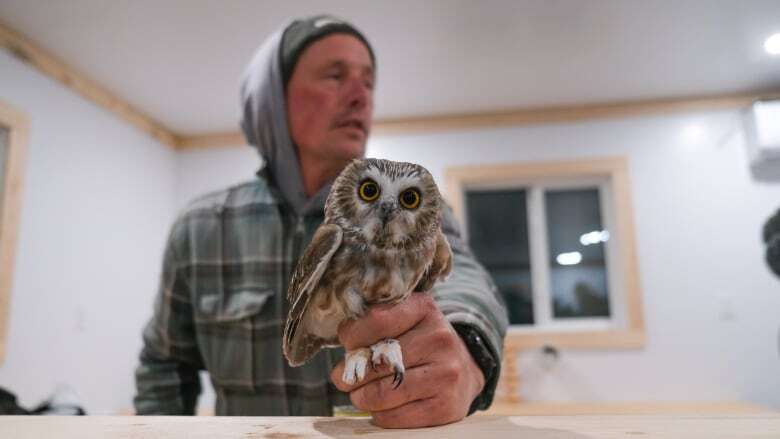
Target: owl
x=380 y=241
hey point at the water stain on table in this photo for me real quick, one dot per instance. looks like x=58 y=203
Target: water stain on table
x=280 y=435
x=495 y=427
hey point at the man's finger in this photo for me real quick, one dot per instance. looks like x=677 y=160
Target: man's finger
x=385 y=321
x=381 y=394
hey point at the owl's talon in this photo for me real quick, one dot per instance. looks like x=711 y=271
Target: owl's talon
x=389 y=352
x=355 y=365
x=398 y=378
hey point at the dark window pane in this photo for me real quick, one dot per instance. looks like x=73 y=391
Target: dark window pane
x=498 y=234
x=578 y=272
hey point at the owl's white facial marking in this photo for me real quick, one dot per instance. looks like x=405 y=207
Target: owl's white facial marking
x=387 y=204
x=385 y=217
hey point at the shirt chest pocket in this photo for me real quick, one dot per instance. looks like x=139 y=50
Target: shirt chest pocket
x=235 y=326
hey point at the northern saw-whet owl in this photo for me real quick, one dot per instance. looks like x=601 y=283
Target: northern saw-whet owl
x=380 y=241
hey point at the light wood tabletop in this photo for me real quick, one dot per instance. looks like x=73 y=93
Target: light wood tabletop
x=733 y=426
x=713 y=408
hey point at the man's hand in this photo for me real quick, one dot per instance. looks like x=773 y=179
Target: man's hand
x=441 y=377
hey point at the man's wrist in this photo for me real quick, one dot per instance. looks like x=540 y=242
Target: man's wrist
x=484 y=359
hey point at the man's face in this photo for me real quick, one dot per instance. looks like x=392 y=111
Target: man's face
x=330 y=99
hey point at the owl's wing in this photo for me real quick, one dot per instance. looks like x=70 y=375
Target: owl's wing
x=299 y=347
x=440 y=267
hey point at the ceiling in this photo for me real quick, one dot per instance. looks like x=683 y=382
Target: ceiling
x=179 y=61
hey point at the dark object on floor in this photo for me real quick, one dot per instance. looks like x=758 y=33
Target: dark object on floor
x=50 y=408
x=55 y=405
x=8 y=405
x=772 y=241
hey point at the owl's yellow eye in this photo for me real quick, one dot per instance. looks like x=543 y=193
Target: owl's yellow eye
x=368 y=191
x=410 y=198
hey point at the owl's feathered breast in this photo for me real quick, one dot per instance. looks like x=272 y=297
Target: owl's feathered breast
x=379 y=275
x=360 y=275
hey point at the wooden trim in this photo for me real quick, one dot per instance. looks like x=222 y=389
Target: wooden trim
x=212 y=140
x=520 y=117
x=616 y=168
x=30 y=53
x=508 y=387
x=522 y=171
x=624 y=215
x=17 y=124
x=613 y=339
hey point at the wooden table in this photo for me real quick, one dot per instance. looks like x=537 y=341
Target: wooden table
x=712 y=408
x=733 y=426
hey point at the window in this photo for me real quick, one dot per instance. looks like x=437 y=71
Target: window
x=13 y=140
x=557 y=239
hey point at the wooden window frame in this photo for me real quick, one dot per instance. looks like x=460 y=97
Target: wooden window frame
x=17 y=124
x=631 y=335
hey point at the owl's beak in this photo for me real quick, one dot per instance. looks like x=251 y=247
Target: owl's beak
x=386 y=210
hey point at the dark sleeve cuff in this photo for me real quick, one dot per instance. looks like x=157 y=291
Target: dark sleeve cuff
x=486 y=359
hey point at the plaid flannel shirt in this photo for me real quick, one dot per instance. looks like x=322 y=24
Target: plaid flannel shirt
x=222 y=304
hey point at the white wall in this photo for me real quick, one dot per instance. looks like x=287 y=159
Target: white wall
x=97 y=204
x=205 y=170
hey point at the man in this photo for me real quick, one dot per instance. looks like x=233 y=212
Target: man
x=308 y=101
